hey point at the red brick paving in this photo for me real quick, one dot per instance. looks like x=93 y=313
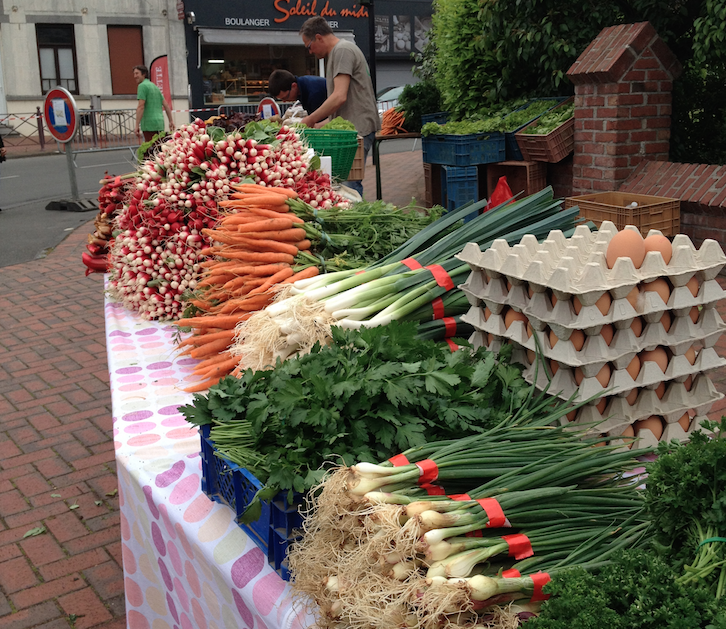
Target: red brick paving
x=55 y=433
x=56 y=448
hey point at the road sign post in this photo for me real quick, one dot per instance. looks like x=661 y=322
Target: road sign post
x=61 y=117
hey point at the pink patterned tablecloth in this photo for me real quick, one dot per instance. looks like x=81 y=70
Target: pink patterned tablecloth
x=187 y=565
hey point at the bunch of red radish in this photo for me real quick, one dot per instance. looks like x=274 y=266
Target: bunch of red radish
x=155 y=258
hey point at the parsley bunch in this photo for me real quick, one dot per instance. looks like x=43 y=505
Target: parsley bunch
x=638 y=590
x=368 y=395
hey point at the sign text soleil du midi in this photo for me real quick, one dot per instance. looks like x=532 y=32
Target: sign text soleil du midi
x=300 y=8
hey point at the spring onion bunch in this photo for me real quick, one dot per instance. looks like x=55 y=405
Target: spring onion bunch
x=402 y=285
x=392 y=544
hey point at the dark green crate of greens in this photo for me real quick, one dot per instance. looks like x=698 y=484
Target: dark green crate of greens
x=339 y=144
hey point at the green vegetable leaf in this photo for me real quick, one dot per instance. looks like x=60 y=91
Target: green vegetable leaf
x=36 y=531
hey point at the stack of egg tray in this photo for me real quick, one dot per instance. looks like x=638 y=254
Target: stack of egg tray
x=504 y=276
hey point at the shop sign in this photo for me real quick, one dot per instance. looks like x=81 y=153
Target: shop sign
x=310 y=9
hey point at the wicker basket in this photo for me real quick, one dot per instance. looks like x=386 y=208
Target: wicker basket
x=341 y=145
x=551 y=147
x=661 y=213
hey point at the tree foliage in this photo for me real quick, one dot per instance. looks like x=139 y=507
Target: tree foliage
x=486 y=51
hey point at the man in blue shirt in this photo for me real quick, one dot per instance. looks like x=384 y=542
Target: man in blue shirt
x=311 y=91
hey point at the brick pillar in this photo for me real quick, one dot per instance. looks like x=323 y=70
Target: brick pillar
x=623 y=83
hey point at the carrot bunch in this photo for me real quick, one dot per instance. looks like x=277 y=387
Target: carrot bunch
x=255 y=244
x=392 y=121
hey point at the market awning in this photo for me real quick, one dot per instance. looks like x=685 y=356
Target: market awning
x=258 y=37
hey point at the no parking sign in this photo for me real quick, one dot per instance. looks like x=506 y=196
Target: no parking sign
x=61 y=114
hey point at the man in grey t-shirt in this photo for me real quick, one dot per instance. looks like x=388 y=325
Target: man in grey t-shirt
x=350 y=90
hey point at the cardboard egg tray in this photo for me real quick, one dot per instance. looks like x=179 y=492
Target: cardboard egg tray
x=562 y=318
x=646 y=439
x=577 y=266
x=682 y=334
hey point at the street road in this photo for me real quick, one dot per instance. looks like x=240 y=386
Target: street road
x=27 y=184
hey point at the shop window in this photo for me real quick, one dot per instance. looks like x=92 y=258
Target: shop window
x=57 y=57
x=125 y=50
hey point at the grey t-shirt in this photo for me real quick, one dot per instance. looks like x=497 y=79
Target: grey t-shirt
x=360 y=108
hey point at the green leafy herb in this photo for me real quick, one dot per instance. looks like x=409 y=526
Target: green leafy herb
x=365 y=397
x=36 y=531
x=549 y=121
x=638 y=590
x=339 y=123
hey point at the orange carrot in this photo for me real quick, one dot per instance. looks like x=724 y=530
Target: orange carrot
x=292 y=235
x=265 y=244
x=304 y=245
x=255 y=188
x=225 y=323
x=270 y=224
x=272 y=214
x=275 y=279
x=311 y=271
x=259 y=256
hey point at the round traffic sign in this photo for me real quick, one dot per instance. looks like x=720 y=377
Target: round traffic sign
x=61 y=114
x=268 y=107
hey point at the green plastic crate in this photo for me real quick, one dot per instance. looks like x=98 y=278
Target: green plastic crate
x=340 y=145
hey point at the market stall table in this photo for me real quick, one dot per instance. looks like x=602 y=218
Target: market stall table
x=186 y=562
x=376 y=158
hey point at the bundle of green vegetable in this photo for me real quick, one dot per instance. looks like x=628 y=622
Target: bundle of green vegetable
x=358 y=236
x=367 y=394
x=404 y=284
x=464 y=127
x=549 y=121
x=339 y=123
x=384 y=547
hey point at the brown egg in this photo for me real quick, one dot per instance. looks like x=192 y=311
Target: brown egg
x=637 y=326
x=529 y=329
x=512 y=316
x=607 y=333
x=688 y=383
x=632 y=296
x=600 y=444
x=603 y=304
x=666 y=321
x=660 y=390
x=632 y=397
x=530 y=291
x=633 y=368
x=553 y=338
x=658 y=242
x=487 y=313
x=571 y=416
x=657 y=355
x=626 y=244
x=626 y=434
x=653 y=423
x=577 y=338
x=579 y=376
x=554 y=366
x=659 y=286
x=690 y=355
x=694 y=314
x=693 y=286
x=685 y=421
x=601 y=405
x=531 y=357
x=553 y=299
x=509 y=285
x=603 y=376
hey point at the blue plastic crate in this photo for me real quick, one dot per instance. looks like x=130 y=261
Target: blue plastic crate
x=464 y=150
x=511 y=146
x=225 y=482
x=440 y=117
x=459 y=184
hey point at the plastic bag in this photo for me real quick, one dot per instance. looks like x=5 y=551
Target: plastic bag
x=502 y=193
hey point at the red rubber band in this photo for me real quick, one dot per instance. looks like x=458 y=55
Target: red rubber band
x=429 y=471
x=411 y=263
x=433 y=490
x=540 y=580
x=452 y=345
x=450 y=324
x=399 y=460
x=442 y=278
x=474 y=534
x=438 y=306
x=460 y=497
x=519 y=546
x=512 y=573
x=494 y=512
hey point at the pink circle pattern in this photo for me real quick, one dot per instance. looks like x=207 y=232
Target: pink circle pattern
x=167 y=514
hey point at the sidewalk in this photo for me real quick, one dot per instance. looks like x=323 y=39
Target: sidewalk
x=57 y=465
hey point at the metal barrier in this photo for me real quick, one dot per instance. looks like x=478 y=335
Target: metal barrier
x=23 y=132
x=105 y=129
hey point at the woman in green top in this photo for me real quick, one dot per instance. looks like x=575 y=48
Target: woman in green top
x=149 y=113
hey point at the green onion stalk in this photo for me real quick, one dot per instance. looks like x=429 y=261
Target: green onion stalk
x=390 y=289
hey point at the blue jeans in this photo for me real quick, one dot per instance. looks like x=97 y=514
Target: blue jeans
x=367 y=144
